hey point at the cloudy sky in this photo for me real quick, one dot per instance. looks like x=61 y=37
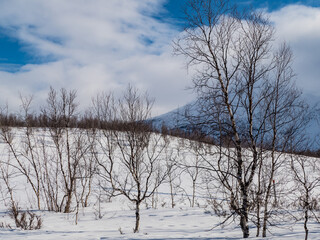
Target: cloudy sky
x=100 y=45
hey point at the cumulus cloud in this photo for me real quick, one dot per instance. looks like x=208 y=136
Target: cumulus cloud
x=105 y=44
x=300 y=26
x=92 y=46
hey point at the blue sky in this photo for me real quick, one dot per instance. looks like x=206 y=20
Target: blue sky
x=16 y=52
x=104 y=45
x=174 y=6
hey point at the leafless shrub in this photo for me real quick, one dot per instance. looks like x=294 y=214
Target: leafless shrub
x=5 y=225
x=25 y=220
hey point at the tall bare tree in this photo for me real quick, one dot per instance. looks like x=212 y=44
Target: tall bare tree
x=236 y=67
x=287 y=115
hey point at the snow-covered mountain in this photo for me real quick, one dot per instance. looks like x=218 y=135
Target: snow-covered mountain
x=177 y=119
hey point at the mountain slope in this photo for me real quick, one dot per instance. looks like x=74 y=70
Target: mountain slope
x=180 y=118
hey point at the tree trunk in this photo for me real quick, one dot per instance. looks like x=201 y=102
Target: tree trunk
x=68 y=203
x=306 y=216
x=266 y=213
x=244 y=190
x=88 y=194
x=267 y=197
x=305 y=223
x=244 y=226
x=265 y=217
x=258 y=216
x=136 y=229
x=259 y=200
x=244 y=215
x=193 y=192
x=38 y=199
x=171 y=193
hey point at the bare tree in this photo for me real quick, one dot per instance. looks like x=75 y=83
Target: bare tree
x=69 y=148
x=7 y=175
x=287 y=115
x=235 y=64
x=131 y=152
x=172 y=156
x=23 y=145
x=88 y=167
x=304 y=174
x=192 y=167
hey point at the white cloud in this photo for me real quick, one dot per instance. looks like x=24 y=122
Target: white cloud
x=105 y=44
x=300 y=26
x=95 y=45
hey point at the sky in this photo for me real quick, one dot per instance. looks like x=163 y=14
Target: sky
x=100 y=45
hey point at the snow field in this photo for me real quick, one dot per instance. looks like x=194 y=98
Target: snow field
x=158 y=219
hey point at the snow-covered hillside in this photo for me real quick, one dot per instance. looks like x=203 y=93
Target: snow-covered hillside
x=189 y=204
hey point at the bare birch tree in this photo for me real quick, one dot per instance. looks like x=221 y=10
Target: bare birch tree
x=172 y=157
x=69 y=148
x=130 y=162
x=234 y=57
x=304 y=171
x=286 y=118
x=23 y=146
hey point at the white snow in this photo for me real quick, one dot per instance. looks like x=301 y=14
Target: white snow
x=160 y=222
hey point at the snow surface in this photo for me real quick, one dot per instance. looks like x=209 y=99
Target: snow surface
x=162 y=223
x=158 y=222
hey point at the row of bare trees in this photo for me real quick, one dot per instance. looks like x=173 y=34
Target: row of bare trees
x=59 y=162
x=123 y=156
x=55 y=158
x=247 y=102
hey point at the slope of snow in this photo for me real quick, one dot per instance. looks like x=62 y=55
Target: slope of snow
x=158 y=219
x=162 y=223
